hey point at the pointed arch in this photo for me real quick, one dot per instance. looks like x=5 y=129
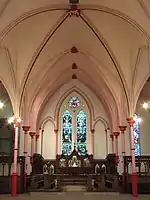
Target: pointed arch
x=103 y=121
x=44 y=121
x=141 y=76
x=85 y=98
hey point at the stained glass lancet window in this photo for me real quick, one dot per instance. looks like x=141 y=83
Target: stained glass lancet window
x=67 y=133
x=137 y=135
x=74 y=102
x=81 y=132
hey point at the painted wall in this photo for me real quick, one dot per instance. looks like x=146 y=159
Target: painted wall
x=49 y=139
x=144 y=128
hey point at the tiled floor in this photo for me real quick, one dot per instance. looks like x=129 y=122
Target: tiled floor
x=75 y=196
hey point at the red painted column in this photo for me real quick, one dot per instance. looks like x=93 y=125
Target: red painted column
x=32 y=134
x=36 y=142
x=112 y=141
x=92 y=139
x=56 y=133
x=116 y=134
x=122 y=130
x=42 y=142
x=15 y=174
x=134 y=176
x=25 y=129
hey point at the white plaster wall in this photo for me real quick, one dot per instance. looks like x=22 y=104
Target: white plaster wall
x=100 y=141
x=49 y=141
x=21 y=149
x=144 y=129
x=49 y=110
x=51 y=104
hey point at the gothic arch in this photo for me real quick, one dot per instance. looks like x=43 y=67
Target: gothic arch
x=85 y=98
x=44 y=121
x=103 y=121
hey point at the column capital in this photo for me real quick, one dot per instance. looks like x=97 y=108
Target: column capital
x=25 y=128
x=111 y=136
x=32 y=134
x=37 y=136
x=122 y=128
x=56 y=131
x=131 y=121
x=93 y=131
x=116 y=134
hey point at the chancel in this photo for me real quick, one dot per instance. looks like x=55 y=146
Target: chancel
x=74 y=96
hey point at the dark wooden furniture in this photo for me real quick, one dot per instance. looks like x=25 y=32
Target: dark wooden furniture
x=143 y=174
x=5 y=176
x=94 y=174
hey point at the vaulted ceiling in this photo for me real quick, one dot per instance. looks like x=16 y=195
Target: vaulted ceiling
x=112 y=43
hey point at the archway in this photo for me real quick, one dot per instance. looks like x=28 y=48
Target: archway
x=143 y=112
x=6 y=130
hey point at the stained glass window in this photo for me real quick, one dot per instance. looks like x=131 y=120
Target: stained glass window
x=81 y=132
x=137 y=135
x=74 y=102
x=67 y=133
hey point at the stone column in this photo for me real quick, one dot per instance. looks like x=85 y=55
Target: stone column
x=112 y=141
x=106 y=141
x=32 y=134
x=122 y=130
x=134 y=176
x=26 y=130
x=116 y=134
x=92 y=141
x=56 y=133
x=36 y=142
x=42 y=142
x=15 y=161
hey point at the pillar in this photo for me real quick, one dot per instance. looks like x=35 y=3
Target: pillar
x=39 y=141
x=15 y=161
x=134 y=176
x=106 y=141
x=32 y=134
x=56 y=133
x=42 y=142
x=116 y=134
x=112 y=142
x=25 y=129
x=36 y=142
x=122 y=130
x=92 y=140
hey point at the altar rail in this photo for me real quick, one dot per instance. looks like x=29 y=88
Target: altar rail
x=6 y=169
x=143 y=174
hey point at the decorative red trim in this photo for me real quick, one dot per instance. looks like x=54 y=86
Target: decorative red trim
x=74 y=50
x=74 y=76
x=74 y=66
x=25 y=129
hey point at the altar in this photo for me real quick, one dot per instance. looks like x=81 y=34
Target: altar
x=74 y=164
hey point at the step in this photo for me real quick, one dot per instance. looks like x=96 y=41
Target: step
x=75 y=181
x=71 y=183
x=74 y=188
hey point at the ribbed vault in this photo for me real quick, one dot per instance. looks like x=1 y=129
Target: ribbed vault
x=36 y=58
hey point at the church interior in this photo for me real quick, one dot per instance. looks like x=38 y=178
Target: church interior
x=75 y=96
